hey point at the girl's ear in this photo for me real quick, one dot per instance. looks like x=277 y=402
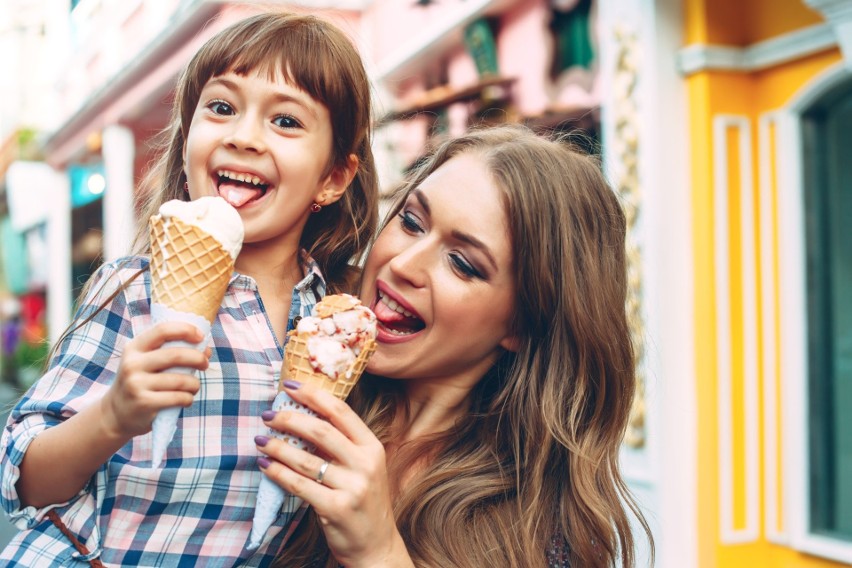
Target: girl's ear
x=338 y=181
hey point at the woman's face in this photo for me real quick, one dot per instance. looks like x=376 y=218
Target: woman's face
x=440 y=279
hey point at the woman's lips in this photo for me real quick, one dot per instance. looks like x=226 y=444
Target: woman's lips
x=395 y=322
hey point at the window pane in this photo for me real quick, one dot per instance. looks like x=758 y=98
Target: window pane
x=828 y=201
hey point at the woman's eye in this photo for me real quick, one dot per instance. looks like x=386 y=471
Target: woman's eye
x=286 y=121
x=409 y=222
x=220 y=107
x=464 y=267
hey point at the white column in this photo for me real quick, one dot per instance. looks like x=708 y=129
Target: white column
x=663 y=473
x=59 y=253
x=119 y=150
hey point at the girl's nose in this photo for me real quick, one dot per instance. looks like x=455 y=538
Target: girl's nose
x=411 y=263
x=247 y=135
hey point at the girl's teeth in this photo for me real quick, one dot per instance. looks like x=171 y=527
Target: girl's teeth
x=244 y=178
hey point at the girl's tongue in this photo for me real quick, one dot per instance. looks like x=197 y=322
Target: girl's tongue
x=237 y=193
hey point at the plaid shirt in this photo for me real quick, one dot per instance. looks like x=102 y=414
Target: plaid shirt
x=195 y=510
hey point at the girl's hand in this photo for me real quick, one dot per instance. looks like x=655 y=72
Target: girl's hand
x=353 y=500
x=141 y=388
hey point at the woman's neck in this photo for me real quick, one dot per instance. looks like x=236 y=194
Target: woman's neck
x=432 y=408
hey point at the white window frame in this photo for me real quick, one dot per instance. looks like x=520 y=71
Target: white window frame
x=793 y=324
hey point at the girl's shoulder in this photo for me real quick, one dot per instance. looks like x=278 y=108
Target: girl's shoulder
x=128 y=274
x=132 y=263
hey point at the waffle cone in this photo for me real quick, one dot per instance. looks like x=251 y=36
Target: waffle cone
x=298 y=365
x=335 y=303
x=190 y=270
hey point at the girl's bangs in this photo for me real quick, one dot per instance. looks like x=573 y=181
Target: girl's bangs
x=295 y=53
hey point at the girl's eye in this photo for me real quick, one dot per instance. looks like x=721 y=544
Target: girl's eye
x=286 y=121
x=409 y=222
x=220 y=107
x=466 y=269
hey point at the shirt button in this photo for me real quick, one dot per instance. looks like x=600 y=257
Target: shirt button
x=296 y=320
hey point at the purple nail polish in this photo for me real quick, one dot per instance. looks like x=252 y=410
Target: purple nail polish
x=263 y=462
x=292 y=385
x=267 y=415
x=261 y=440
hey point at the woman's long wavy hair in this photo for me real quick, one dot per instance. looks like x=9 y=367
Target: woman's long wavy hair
x=318 y=58
x=534 y=464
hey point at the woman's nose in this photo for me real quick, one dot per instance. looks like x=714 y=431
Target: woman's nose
x=411 y=263
x=247 y=134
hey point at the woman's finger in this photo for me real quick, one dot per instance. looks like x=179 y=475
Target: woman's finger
x=293 y=482
x=315 y=430
x=308 y=465
x=332 y=408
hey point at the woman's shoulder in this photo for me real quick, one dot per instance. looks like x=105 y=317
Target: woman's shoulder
x=557 y=552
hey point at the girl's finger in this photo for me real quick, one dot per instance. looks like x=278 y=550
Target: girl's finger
x=157 y=335
x=170 y=357
x=165 y=382
x=170 y=398
x=332 y=408
x=167 y=358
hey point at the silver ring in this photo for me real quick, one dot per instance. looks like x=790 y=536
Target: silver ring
x=322 y=471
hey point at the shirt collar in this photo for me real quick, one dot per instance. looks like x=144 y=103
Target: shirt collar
x=312 y=281
x=314 y=278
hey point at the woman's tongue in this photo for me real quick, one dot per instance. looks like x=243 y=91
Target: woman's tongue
x=396 y=321
x=238 y=194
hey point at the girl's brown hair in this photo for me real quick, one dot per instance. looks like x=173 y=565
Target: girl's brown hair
x=534 y=464
x=318 y=58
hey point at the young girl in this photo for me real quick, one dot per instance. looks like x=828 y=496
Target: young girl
x=273 y=115
x=489 y=431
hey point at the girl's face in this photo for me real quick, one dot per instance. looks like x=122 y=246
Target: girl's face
x=440 y=279
x=263 y=146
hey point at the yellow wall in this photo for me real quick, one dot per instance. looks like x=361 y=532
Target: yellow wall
x=740 y=23
x=749 y=95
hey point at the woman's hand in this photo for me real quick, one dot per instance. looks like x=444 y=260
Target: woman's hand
x=353 y=498
x=141 y=388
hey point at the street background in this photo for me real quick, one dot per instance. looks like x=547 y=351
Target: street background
x=724 y=127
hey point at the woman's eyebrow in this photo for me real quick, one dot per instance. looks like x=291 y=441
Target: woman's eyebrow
x=473 y=241
x=458 y=235
x=424 y=201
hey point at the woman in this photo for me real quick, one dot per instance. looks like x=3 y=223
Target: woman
x=488 y=431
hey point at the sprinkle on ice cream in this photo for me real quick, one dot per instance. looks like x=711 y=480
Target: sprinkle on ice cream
x=335 y=341
x=211 y=214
